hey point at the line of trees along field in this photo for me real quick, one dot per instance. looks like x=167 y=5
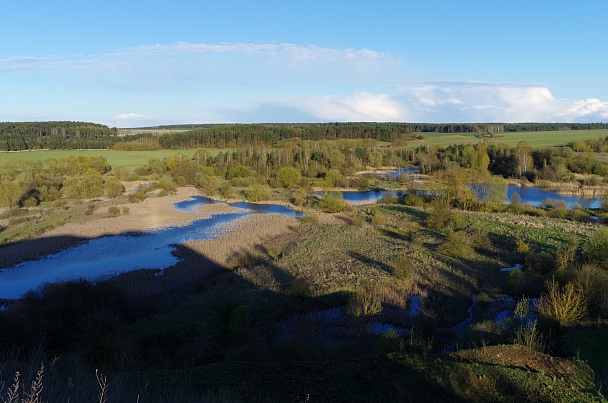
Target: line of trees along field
x=15 y=136
x=325 y=163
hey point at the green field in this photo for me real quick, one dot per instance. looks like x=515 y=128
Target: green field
x=129 y=159
x=536 y=139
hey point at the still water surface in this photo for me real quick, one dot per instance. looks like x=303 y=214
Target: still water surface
x=118 y=254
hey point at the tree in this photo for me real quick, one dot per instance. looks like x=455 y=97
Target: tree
x=596 y=247
x=524 y=159
x=113 y=187
x=332 y=202
x=288 y=176
x=563 y=305
x=10 y=194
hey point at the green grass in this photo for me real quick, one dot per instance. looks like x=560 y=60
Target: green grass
x=536 y=139
x=396 y=377
x=129 y=159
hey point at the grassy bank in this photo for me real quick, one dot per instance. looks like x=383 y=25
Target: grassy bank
x=535 y=139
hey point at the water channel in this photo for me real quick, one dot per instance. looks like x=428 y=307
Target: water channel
x=529 y=194
x=118 y=254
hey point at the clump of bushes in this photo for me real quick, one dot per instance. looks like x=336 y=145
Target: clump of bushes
x=310 y=219
x=332 y=202
x=243 y=258
x=113 y=211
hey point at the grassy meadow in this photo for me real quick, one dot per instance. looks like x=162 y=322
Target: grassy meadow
x=128 y=159
x=535 y=139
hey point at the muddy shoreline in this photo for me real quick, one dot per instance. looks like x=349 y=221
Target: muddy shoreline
x=150 y=214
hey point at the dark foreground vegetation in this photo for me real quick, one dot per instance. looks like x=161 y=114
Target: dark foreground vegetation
x=396 y=301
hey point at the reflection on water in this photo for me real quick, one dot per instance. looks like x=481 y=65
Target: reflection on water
x=529 y=195
x=535 y=196
x=117 y=254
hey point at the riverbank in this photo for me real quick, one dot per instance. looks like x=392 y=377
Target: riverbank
x=564 y=188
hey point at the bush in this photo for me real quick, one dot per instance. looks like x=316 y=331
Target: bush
x=596 y=248
x=300 y=288
x=359 y=220
x=562 y=305
x=458 y=244
x=310 y=219
x=241 y=259
x=439 y=218
x=113 y=211
x=404 y=268
x=413 y=200
x=378 y=219
x=332 y=202
x=30 y=202
x=257 y=192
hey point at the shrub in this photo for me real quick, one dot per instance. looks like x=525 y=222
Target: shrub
x=257 y=192
x=298 y=200
x=359 y=220
x=332 y=202
x=522 y=247
x=378 y=219
x=310 y=219
x=242 y=258
x=125 y=210
x=113 y=211
x=479 y=237
x=596 y=247
x=413 y=200
x=566 y=254
x=458 y=244
x=542 y=262
x=300 y=288
x=288 y=176
x=439 y=218
x=363 y=305
x=30 y=202
x=562 y=305
x=527 y=335
x=404 y=268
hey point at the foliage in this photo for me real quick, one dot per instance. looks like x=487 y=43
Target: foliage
x=288 y=176
x=528 y=336
x=404 y=268
x=363 y=305
x=564 y=306
x=257 y=192
x=458 y=244
x=16 y=136
x=596 y=247
x=332 y=202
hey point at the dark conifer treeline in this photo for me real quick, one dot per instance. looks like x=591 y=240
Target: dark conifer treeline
x=81 y=135
x=15 y=136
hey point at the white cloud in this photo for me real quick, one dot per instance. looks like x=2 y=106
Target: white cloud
x=288 y=50
x=465 y=101
x=358 y=107
x=24 y=63
x=131 y=120
x=451 y=101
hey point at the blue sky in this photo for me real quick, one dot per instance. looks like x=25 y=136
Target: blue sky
x=135 y=63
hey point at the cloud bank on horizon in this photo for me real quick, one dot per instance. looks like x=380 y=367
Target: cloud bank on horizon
x=268 y=82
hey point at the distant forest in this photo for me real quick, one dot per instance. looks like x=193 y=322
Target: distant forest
x=55 y=136
x=15 y=136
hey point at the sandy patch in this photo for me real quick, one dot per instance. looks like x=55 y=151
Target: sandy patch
x=244 y=233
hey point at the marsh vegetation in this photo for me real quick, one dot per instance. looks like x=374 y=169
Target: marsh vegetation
x=403 y=298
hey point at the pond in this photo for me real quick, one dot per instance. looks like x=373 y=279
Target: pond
x=395 y=174
x=535 y=196
x=529 y=195
x=117 y=254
